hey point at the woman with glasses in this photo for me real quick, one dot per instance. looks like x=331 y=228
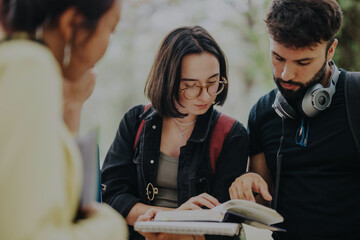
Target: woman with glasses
x=168 y=165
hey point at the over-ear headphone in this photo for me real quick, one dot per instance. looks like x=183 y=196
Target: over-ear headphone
x=316 y=99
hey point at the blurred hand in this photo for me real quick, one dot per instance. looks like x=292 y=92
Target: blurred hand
x=78 y=91
x=244 y=186
x=75 y=93
x=90 y=209
x=87 y=211
x=197 y=202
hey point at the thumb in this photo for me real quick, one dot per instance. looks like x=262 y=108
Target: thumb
x=265 y=193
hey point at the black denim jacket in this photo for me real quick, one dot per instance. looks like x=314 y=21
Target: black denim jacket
x=127 y=171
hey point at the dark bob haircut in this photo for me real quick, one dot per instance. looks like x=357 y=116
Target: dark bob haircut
x=163 y=83
x=303 y=23
x=27 y=15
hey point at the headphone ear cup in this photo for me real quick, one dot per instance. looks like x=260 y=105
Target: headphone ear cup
x=283 y=108
x=316 y=99
x=306 y=106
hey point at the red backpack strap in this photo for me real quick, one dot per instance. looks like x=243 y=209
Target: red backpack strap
x=222 y=128
x=140 y=127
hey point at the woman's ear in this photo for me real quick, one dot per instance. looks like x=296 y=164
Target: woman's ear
x=331 y=50
x=69 y=22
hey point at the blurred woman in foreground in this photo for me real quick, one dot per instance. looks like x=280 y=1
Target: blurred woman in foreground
x=48 y=45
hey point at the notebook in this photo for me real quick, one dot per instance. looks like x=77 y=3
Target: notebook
x=90 y=158
x=192 y=228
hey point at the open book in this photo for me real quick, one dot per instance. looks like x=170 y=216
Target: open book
x=234 y=211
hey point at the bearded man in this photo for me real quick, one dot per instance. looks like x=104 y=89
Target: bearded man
x=303 y=158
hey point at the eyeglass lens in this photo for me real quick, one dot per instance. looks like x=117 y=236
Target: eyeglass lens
x=212 y=89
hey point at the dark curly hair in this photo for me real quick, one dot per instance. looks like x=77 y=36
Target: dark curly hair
x=303 y=23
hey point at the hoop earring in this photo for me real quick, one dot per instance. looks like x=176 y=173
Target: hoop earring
x=39 y=32
x=67 y=55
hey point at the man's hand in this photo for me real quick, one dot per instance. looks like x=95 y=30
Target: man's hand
x=244 y=186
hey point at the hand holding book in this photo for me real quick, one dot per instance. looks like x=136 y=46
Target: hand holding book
x=224 y=219
x=184 y=230
x=151 y=235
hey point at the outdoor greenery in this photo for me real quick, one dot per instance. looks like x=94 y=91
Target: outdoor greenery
x=348 y=50
x=238 y=27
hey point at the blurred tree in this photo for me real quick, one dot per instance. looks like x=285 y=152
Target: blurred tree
x=254 y=38
x=348 y=50
x=238 y=27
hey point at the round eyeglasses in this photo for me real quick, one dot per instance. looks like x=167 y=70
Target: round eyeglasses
x=213 y=88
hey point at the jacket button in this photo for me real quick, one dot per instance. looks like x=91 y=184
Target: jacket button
x=154 y=126
x=151 y=161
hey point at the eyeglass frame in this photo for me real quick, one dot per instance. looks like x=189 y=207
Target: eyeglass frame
x=223 y=80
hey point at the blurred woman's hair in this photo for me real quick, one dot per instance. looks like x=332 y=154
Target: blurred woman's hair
x=163 y=83
x=27 y=15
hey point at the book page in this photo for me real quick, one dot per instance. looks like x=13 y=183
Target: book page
x=263 y=226
x=190 y=215
x=253 y=211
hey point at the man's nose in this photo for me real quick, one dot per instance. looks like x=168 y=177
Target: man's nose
x=288 y=72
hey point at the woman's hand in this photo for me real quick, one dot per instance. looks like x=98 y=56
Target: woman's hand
x=149 y=216
x=75 y=93
x=87 y=211
x=199 y=201
x=78 y=91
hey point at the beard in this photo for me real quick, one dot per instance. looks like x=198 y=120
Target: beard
x=295 y=96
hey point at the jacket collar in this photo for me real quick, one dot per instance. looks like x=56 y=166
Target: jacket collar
x=202 y=125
